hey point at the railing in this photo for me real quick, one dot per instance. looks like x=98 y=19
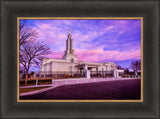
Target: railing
x=59 y=82
x=101 y=73
x=75 y=74
x=67 y=81
x=61 y=74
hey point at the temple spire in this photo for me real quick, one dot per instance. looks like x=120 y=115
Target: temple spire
x=69 y=44
x=69 y=52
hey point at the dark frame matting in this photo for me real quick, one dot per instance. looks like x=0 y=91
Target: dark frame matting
x=12 y=9
x=82 y=18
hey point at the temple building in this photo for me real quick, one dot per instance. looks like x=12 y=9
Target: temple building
x=70 y=64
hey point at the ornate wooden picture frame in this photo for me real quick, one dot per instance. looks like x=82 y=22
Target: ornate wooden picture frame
x=11 y=10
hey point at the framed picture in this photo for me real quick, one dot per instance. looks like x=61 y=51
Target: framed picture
x=80 y=59
x=86 y=62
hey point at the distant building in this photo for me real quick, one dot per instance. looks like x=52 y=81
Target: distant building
x=70 y=63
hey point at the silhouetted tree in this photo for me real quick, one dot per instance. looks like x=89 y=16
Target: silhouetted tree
x=126 y=71
x=32 y=74
x=135 y=66
x=26 y=32
x=119 y=67
x=32 y=54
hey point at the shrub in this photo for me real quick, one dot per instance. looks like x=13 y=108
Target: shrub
x=32 y=73
x=66 y=76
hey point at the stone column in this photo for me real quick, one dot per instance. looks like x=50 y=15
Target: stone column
x=86 y=71
x=88 y=75
x=115 y=73
x=85 y=68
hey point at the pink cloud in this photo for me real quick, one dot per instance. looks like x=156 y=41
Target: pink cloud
x=55 y=54
x=44 y=26
x=90 y=39
x=89 y=36
x=98 y=55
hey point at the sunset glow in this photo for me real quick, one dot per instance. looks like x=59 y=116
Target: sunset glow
x=118 y=41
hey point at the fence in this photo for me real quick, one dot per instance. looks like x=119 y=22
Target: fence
x=75 y=74
x=101 y=74
x=61 y=74
x=59 y=82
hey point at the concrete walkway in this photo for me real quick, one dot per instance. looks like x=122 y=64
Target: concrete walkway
x=61 y=82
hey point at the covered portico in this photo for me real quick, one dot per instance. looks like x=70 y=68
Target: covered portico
x=86 y=67
x=93 y=70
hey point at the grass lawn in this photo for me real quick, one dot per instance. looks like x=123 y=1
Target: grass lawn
x=24 y=90
x=40 y=82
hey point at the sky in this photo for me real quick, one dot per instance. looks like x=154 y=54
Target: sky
x=117 y=41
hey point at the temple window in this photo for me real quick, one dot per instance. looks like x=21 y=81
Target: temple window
x=72 y=60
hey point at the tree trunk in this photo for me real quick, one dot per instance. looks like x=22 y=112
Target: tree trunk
x=26 y=77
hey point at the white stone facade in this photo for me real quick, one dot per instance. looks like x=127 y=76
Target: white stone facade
x=70 y=63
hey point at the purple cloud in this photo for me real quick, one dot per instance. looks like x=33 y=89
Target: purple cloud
x=94 y=40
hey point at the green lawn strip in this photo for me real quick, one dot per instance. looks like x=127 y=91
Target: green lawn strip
x=40 y=82
x=24 y=90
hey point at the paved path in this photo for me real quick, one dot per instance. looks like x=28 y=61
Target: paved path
x=61 y=82
x=119 y=89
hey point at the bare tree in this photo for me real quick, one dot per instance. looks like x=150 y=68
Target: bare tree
x=136 y=65
x=126 y=71
x=119 y=67
x=26 y=32
x=31 y=55
x=31 y=52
